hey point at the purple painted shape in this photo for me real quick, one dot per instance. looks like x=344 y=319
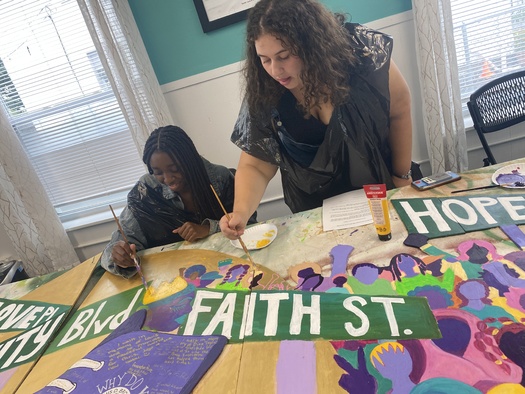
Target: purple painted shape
x=356 y=380
x=515 y=234
x=474 y=292
x=366 y=273
x=340 y=255
x=296 y=368
x=140 y=362
x=396 y=364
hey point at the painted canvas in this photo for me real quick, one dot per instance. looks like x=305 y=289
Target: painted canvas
x=31 y=314
x=474 y=287
x=173 y=278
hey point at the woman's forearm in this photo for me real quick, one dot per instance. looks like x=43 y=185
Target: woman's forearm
x=400 y=137
x=251 y=179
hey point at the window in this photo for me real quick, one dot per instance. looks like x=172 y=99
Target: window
x=61 y=105
x=490 y=41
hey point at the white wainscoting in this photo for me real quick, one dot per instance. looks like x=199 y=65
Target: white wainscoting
x=206 y=106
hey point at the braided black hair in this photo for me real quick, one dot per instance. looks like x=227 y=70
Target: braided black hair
x=174 y=141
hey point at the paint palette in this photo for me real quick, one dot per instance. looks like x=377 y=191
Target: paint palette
x=257 y=237
x=513 y=173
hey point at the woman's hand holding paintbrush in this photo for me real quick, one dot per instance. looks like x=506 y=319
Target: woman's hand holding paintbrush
x=125 y=254
x=122 y=254
x=229 y=218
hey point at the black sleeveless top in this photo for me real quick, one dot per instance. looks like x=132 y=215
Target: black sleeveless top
x=300 y=136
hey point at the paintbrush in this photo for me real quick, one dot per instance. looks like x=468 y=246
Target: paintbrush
x=134 y=255
x=490 y=187
x=228 y=217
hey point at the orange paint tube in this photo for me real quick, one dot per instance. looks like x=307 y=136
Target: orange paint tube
x=378 y=204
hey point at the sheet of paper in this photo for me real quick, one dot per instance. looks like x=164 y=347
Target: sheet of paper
x=346 y=210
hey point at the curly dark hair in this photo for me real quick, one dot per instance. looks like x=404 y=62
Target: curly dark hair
x=313 y=33
x=174 y=141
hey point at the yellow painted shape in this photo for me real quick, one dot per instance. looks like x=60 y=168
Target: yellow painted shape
x=507 y=388
x=165 y=289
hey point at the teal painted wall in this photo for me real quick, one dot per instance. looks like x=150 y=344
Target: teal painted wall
x=178 y=48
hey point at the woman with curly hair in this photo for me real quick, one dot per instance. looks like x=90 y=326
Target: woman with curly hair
x=324 y=103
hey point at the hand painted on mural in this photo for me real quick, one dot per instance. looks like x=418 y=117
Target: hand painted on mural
x=356 y=380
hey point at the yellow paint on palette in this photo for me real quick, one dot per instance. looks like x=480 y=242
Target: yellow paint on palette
x=262 y=243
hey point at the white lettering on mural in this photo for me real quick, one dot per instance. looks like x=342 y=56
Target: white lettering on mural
x=13 y=351
x=365 y=322
x=511 y=209
x=126 y=383
x=466 y=213
x=87 y=323
x=431 y=212
x=480 y=203
x=272 y=314
x=224 y=313
x=299 y=310
x=389 y=310
x=21 y=316
x=471 y=216
x=248 y=314
x=199 y=308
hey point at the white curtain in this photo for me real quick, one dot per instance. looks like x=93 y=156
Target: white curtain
x=28 y=216
x=127 y=65
x=31 y=222
x=444 y=127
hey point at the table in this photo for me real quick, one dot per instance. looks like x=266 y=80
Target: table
x=301 y=237
x=478 y=306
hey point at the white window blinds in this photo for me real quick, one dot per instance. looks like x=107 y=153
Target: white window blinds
x=60 y=103
x=490 y=41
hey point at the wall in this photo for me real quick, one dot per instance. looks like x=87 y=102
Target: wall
x=178 y=48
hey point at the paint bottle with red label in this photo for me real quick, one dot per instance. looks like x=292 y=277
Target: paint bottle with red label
x=378 y=204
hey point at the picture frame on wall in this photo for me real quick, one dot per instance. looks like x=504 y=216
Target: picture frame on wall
x=215 y=14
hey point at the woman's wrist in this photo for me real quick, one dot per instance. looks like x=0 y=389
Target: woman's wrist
x=407 y=175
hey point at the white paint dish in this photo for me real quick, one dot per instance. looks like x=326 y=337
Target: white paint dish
x=257 y=237
x=510 y=173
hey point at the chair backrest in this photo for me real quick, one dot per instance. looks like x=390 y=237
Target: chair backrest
x=499 y=103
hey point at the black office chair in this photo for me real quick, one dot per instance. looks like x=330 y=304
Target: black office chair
x=497 y=105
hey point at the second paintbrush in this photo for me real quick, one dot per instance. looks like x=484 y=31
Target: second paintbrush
x=520 y=184
x=134 y=255
x=228 y=217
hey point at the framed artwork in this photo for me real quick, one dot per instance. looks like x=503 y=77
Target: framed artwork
x=214 y=14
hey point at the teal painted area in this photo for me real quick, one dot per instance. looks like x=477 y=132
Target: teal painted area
x=178 y=48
